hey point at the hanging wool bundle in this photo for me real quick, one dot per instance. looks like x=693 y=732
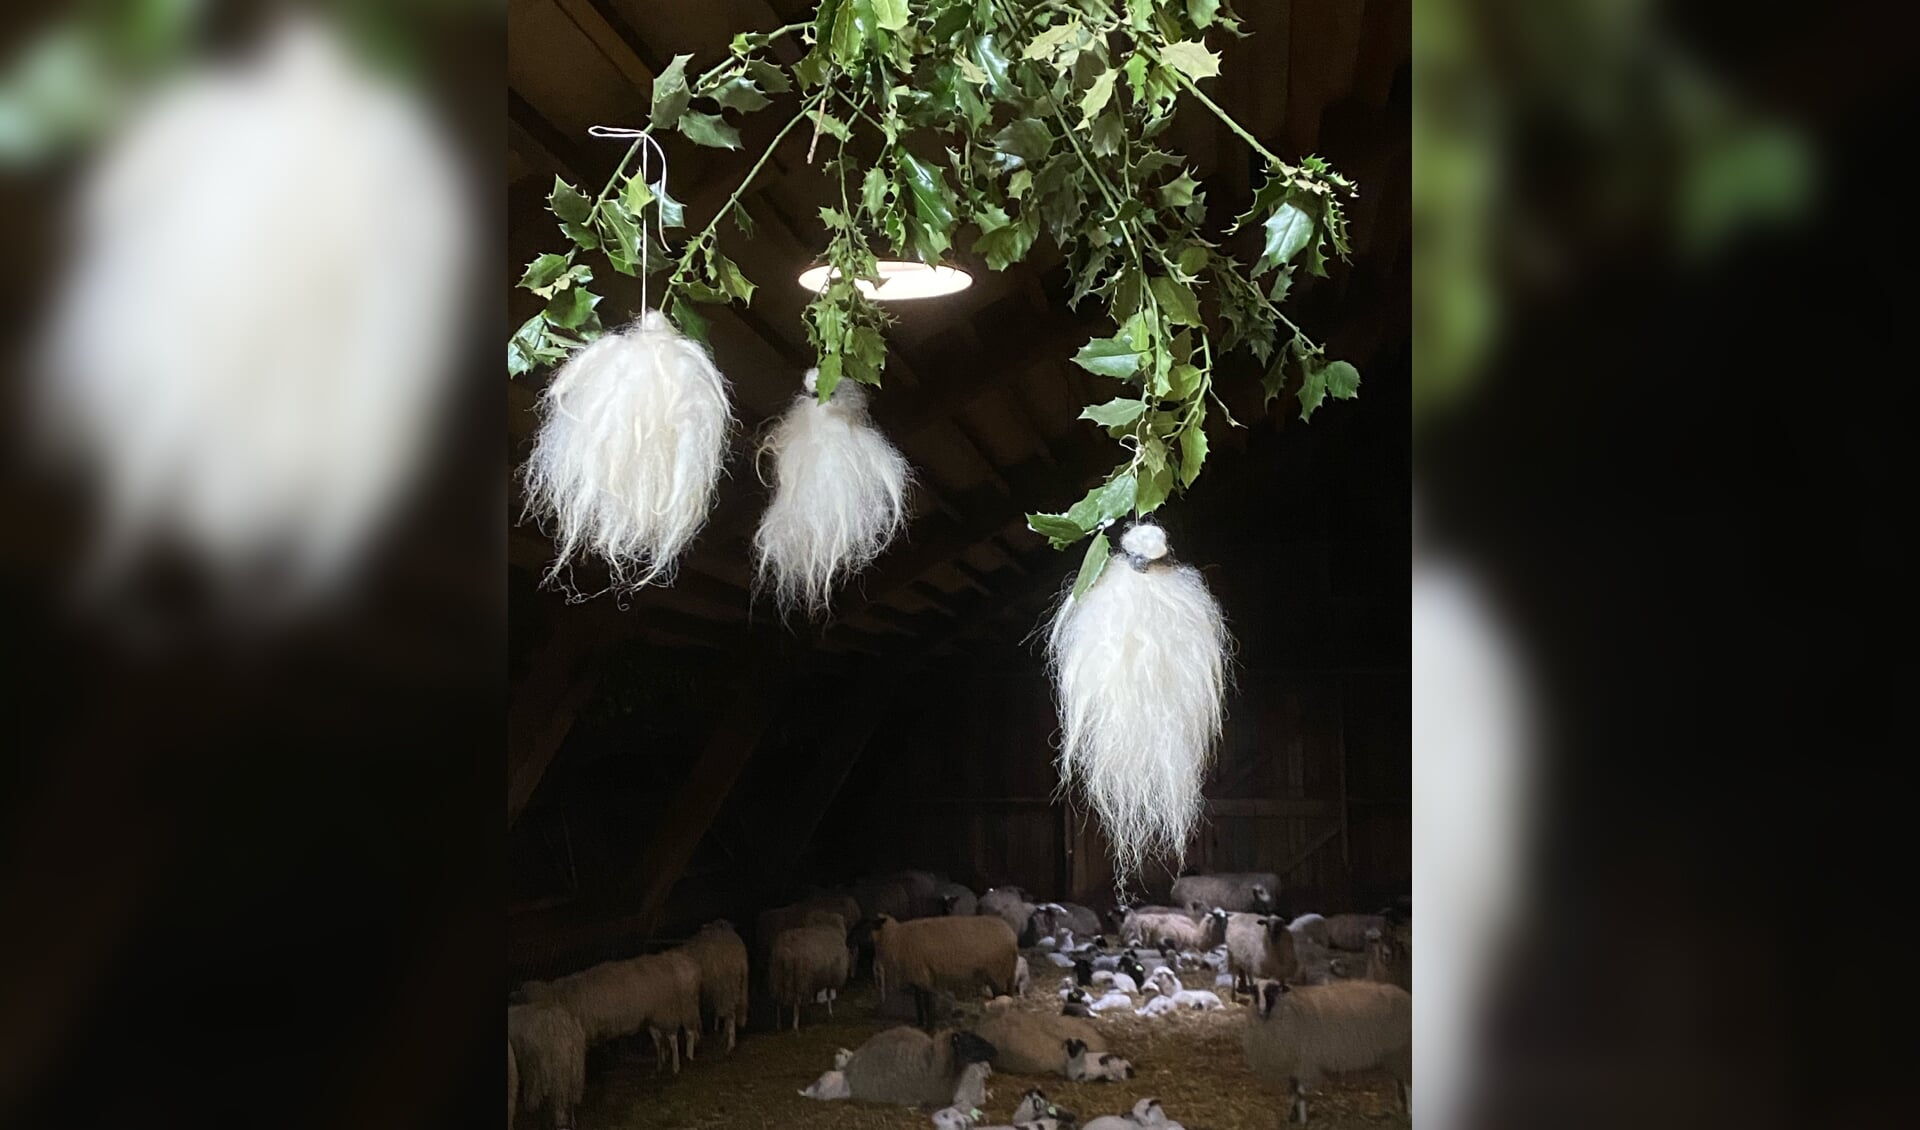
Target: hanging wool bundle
x=1139 y=664
x=840 y=496
x=631 y=445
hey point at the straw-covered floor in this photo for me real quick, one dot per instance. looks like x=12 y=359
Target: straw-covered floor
x=1190 y=1061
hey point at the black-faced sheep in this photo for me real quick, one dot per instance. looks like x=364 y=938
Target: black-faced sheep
x=1259 y=946
x=929 y=953
x=1031 y=1043
x=908 y=1067
x=1349 y=931
x=1294 y=1036
x=1087 y=1065
x=1252 y=891
x=548 y=1052
x=957 y=900
x=722 y=958
x=806 y=962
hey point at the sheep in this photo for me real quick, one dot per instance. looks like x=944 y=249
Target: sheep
x=908 y=1067
x=1122 y=919
x=1178 y=930
x=1309 y=928
x=548 y=1051
x=1109 y=1001
x=1149 y=1112
x=970 y=1093
x=777 y=920
x=957 y=900
x=513 y=1083
x=1060 y=960
x=1022 y=977
x=1011 y=905
x=1390 y=957
x=1259 y=947
x=830 y=1086
x=1029 y=1043
x=1036 y=1111
x=924 y=954
x=1293 y=1036
x=1241 y=890
x=923 y=893
x=1120 y=982
x=805 y=962
x=1086 y=1065
x=722 y=958
x=885 y=895
x=1070 y=916
x=619 y=998
x=1349 y=931
x=1198 y=1000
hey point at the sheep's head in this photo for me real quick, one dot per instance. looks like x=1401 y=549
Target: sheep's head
x=969 y=1048
x=1114 y=1065
x=1075 y=1048
x=1262 y=897
x=947 y=903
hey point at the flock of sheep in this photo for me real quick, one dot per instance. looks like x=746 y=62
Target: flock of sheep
x=1326 y=994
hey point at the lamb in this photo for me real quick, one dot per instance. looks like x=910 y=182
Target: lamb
x=1242 y=890
x=1036 y=1111
x=1087 y=1065
x=1109 y=1001
x=1120 y=982
x=1259 y=947
x=908 y=1067
x=806 y=962
x=547 y=1052
x=1199 y=1000
x=722 y=958
x=1029 y=1043
x=927 y=953
x=833 y=1084
x=1011 y=905
x=1293 y=1036
x=1177 y=930
x=513 y=1083
x=1149 y=1112
x=1390 y=957
x=1349 y=931
x=957 y=900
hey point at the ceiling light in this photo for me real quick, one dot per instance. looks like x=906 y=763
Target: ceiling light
x=899 y=281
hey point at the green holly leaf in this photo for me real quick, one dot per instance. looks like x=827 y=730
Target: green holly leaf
x=828 y=378
x=1106 y=503
x=567 y=203
x=709 y=130
x=993 y=61
x=621 y=230
x=1191 y=59
x=831 y=126
x=1049 y=42
x=1056 y=528
x=1288 y=231
x=933 y=204
x=1282 y=283
x=1026 y=138
x=770 y=78
x=1007 y=244
x=1154 y=489
x=689 y=319
x=741 y=93
x=1193 y=449
x=543 y=275
x=1110 y=357
x=571 y=307
x=890 y=14
x=873 y=190
x=1136 y=69
x=733 y=282
x=672 y=212
x=1099 y=552
x=1201 y=12
x=1183 y=381
x=1342 y=380
x=1115 y=413
x=1098 y=94
x=670 y=94
x=1178 y=192
x=1274 y=379
x=637 y=195
x=1176 y=300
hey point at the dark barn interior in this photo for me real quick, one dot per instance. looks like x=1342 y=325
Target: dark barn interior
x=682 y=755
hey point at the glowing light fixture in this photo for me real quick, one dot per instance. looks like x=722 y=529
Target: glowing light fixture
x=899 y=281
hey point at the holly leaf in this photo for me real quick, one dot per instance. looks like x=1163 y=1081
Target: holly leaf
x=709 y=130
x=637 y=195
x=1049 y=42
x=1026 y=138
x=571 y=307
x=1288 y=231
x=1136 y=70
x=1056 y=528
x=1183 y=381
x=1106 y=503
x=672 y=212
x=993 y=61
x=890 y=14
x=933 y=204
x=741 y=93
x=1153 y=490
x=1115 y=413
x=1178 y=192
x=1191 y=59
x=670 y=94
x=732 y=281
x=544 y=275
x=1201 y=12
x=1099 y=552
x=770 y=78
x=1193 y=450
x=1282 y=283
x=622 y=231
x=1110 y=357
x=1274 y=379
x=686 y=316
x=1343 y=380
x=828 y=378
x=1007 y=244
x=873 y=190
x=1176 y=300
x=567 y=203
x=1098 y=94
x=832 y=126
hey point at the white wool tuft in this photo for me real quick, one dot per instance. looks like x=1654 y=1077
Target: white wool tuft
x=631 y=446
x=1139 y=665
x=1145 y=540
x=840 y=497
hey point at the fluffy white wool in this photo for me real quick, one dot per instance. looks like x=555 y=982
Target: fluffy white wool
x=1139 y=666
x=632 y=441
x=840 y=496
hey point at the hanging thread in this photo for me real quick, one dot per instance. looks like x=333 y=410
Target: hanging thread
x=643 y=141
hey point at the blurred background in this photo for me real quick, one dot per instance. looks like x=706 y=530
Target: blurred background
x=251 y=543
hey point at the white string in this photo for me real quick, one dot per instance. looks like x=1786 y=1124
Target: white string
x=660 y=227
